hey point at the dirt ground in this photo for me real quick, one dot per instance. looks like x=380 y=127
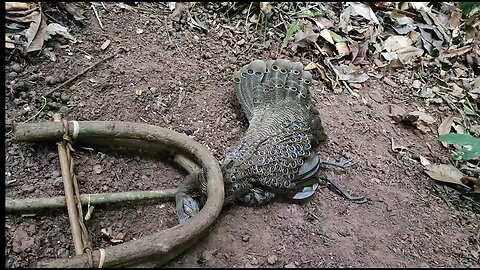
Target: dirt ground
x=185 y=78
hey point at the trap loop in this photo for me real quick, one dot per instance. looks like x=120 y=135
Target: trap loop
x=152 y=250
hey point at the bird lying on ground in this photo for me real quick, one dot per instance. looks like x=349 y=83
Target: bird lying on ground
x=275 y=158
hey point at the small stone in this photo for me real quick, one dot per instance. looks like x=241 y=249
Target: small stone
x=290 y=265
x=249 y=265
x=23 y=95
x=62 y=252
x=12 y=75
x=207 y=55
x=56 y=174
x=61 y=78
x=254 y=261
x=53 y=105
x=417 y=84
x=474 y=254
x=28 y=189
x=272 y=259
x=63 y=110
x=18 y=101
x=17 y=68
x=58 y=182
x=50 y=80
x=241 y=42
x=423 y=265
x=245 y=238
x=34 y=77
x=20 y=86
x=65 y=98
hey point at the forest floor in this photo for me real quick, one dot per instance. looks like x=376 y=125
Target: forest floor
x=185 y=75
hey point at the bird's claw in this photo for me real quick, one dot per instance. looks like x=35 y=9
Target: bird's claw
x=347 y=195
x=186 y=208
x=256 y=197
x=343 y=163
x=354 y=198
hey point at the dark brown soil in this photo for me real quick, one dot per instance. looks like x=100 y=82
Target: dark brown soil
x=185 y=78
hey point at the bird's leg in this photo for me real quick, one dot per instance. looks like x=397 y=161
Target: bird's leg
x=186 y=205
x=347 y=195
x=344 y=164
x=256 y=197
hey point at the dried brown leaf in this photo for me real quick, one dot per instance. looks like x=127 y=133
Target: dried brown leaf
x=342 y=48
x=35 y=34
x=390 y=82
x=303 y=38
x=394 y=43
x=30 y=17
x=16 y=6
x=445 y=173
x=456 y=52
x=310 y=66
x=424 y=161
x=445 y=126
x=455 y=19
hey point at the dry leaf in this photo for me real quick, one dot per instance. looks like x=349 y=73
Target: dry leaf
x=424 y=161
x=390 y=82
x=423 y=117
x=325 y=33
x=302 y=38
x=456 y=52
x=342 y=48
x=16 y=6
x=35 y=34
x=30 y=17
x=266 y=7
x=455 y=19
x=9 y=44
x=445 y=126
x=57 y=29
x=394 y=43
x=445 y=173
x=310 y=66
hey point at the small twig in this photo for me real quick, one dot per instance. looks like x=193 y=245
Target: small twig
x=103 y=5
x=11 y=183
x=82 y=72
x=96 y=15
x=246 y=20
x=174 y=43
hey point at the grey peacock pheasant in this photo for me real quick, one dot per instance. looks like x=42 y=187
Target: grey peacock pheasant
x=275 y=157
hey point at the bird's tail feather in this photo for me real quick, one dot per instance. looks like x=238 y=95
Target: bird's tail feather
x=264 y=83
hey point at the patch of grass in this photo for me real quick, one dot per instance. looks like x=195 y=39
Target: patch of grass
x=292 y=30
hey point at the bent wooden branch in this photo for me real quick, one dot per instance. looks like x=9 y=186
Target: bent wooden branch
x=157 y=248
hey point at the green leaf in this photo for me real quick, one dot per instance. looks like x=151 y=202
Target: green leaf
x=468 y=110
x=473 y=143
x=336 y=37
x=460 y=139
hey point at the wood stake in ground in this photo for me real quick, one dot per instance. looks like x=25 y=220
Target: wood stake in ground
x=69 y=194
